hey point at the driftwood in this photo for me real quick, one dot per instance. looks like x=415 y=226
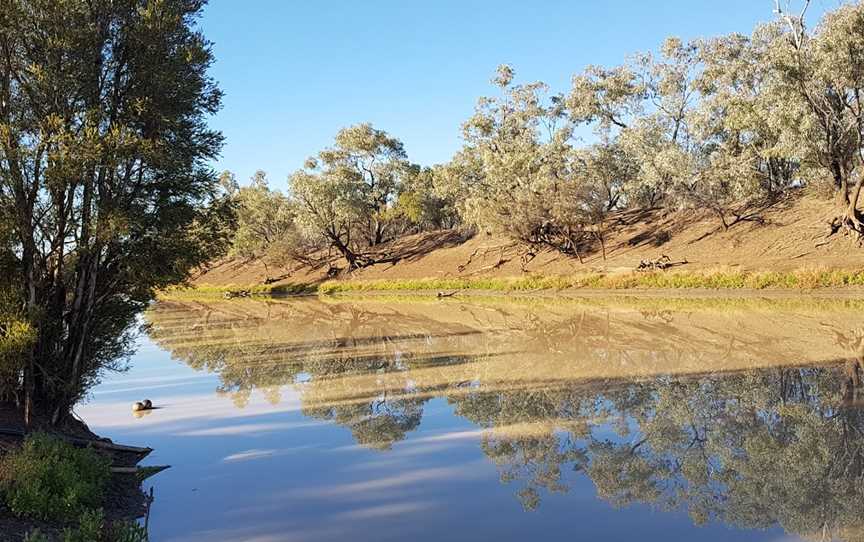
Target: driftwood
x=141 y=472
x=240 y=293
x=660 y=264
x=447 y=294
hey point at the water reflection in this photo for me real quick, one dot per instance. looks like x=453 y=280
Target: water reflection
x=738 y=412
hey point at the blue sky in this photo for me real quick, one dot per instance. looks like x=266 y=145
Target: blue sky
x=295 y=72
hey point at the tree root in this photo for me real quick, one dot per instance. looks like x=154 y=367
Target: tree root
x=850 y=224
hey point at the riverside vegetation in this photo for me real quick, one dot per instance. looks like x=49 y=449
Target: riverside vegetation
x=729 y=125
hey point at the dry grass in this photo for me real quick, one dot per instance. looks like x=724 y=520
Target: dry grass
x=803 y=279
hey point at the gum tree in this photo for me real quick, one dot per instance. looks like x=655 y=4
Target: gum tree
x=345 y=192
x=265 y=222
x=517 y=167
x=821 y=81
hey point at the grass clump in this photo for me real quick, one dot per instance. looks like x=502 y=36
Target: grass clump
x=512 y=284
x=209 y=291
x=51 y=480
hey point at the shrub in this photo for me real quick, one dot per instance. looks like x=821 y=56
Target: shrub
x=36 y=536
x=89 y=528
x=92 y=528
x=51 y=480
x=127 y=531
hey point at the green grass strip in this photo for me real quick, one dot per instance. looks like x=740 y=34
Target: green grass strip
x=803 y=279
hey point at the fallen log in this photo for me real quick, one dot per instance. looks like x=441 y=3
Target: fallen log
x=660 y=264
x=141 y=472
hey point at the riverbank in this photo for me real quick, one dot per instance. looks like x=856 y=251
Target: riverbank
x=786 y=250
x=68 y=458
x=702 y=283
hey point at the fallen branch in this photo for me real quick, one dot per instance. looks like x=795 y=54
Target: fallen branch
x=486 y=250
x=141 y=472
x=660 y=264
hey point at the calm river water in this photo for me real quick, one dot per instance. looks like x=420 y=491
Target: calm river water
x=409 y=419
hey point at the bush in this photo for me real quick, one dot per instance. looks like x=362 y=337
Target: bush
x=92 y=528
x=51 y=480
x=127 y=531
x=89 y=528
x=36 y=536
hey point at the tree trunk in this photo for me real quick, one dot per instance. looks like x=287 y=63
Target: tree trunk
x=852 y=203
x=722 y=217
x=346 y=252
x=847 y=216
x=852 y=382
x=377 y=233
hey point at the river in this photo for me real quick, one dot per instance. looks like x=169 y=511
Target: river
x=497 y=419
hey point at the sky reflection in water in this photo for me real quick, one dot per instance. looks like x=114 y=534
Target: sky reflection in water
x=384 y=420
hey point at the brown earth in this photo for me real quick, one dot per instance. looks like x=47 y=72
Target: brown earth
x=788 y=235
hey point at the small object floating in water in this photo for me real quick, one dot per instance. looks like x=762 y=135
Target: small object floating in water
x=446 y=294
x=141 y=406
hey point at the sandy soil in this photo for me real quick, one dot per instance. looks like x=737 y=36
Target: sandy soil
x=789 y=235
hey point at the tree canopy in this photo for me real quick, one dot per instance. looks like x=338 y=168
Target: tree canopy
x=105 y=189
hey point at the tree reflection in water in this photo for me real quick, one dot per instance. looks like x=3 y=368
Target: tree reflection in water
x=751 y=447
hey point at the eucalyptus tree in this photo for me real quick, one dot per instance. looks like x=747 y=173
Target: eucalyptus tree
x=821 y=82
x=695 y=120
x=743 y=110
x=663 y=140
x=644 y=108
x=518 y=167
x=105 y=190
x=345 y=192
x=265 y=222
x=735 y=141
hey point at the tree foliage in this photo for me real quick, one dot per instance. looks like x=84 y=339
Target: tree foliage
x=265 y=220
x=346 y=194
x=821 y=73
x=105 y=191
x=730 y=124
x=724 y=124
